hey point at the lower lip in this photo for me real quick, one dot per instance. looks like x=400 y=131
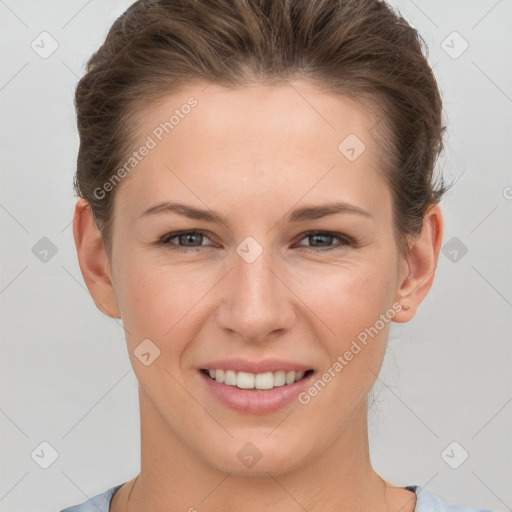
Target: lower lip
x=256 y=401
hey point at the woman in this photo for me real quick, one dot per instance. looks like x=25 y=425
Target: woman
x=257 y=203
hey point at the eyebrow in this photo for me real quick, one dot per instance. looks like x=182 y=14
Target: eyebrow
x=298 y=215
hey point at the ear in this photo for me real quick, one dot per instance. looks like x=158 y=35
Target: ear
x=420 y=265
x=93 y=260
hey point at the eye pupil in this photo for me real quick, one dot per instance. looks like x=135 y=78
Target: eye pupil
x=321 y=236
x=186 y=237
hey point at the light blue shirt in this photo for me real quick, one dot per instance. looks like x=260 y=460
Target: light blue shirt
x=425 y=502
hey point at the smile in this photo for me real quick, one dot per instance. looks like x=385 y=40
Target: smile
x=255 y=386
x=258 y=381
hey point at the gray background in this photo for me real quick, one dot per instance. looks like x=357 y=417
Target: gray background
x=65 y=374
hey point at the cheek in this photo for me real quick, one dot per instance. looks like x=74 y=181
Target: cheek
x=355 y=303
x=350 y=297
x=160 y=302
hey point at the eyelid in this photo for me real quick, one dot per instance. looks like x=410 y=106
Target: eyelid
x=343 y=242
x=339 y=236
x=164 y=240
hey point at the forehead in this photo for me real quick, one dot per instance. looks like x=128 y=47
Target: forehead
x=282 y=138
x=260 y=112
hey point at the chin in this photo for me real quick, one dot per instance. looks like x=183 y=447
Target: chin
x=259 y=457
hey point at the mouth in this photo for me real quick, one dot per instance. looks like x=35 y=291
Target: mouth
x=256 y=381
x=268 y=387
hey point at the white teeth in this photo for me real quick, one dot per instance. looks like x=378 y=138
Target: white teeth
x=230 y=378
x=290 y=377
x=246 y=380
x=279 y=378
x=264 y=380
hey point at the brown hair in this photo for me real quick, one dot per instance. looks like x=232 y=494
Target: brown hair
x=359 y=48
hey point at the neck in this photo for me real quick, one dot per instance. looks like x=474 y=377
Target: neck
x=174 y=477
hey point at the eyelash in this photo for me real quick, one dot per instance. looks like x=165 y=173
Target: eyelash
x=344 y=240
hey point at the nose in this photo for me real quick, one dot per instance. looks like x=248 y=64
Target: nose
x=257 y=302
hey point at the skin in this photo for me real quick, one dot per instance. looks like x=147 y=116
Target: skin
x=291 y=302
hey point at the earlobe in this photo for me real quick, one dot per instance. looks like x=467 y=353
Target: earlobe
x=93 y=260
x=421 y=265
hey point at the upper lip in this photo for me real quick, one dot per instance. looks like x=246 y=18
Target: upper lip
x=261 y=366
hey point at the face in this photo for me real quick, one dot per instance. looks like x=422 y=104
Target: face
x=287 y=280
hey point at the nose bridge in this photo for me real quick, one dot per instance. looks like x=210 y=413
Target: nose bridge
x=255 y=303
